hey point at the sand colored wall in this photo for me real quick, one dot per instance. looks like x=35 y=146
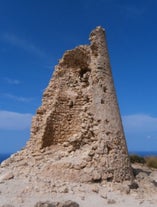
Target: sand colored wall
x=79 y=108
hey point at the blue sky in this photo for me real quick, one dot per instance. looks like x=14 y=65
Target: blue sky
x=35 y=33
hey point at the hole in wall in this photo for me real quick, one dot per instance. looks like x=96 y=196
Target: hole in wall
x=83 y=71
x=70 y=104
x=102 y=101
x=104 y=89
x=110 y=179
x=106 y=121
x=109 y=149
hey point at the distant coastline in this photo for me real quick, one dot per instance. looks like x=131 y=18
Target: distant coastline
x=144 y=153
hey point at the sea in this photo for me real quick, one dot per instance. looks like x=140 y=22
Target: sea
x=4 y=156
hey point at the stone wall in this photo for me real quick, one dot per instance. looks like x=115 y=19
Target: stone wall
x=79 y=108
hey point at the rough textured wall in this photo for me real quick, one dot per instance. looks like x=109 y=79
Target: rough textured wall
x=79 y=109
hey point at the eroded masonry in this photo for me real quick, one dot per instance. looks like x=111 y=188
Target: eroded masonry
x=79 y=109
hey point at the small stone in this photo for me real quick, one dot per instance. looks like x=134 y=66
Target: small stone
x=83 y=198
x=94 y=147
x=83 y=125
x=6 y=176
x=95 y=189
x=83 y=164
x=127 y=190
x=103 y=194
x=134 y=185
x=66 y=144
x=96 y=176
x=70 y=149
x=141 y=202
x=77 y=167
x=71 y=104
x=111 y=201
x=91 y=153
x=45 y=204
x=86 y=178
x=68 y=203
x=42 y=150
x=88 y=159
x=63 y=189
x=124 y=188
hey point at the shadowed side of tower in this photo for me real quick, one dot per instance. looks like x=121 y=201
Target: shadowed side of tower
x=79 y=109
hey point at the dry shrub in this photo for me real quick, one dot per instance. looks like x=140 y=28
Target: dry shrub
x=151 y=161
x=137 y=159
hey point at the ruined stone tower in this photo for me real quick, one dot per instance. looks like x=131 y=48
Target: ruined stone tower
x=79 y=110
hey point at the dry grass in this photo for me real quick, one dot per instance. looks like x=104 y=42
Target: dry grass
x=151 y=161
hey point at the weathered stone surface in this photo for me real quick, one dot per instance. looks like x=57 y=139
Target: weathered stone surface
x=68 y=203
x=79 y=109
x=7 y=205
x=6 y=176
x=45 y=204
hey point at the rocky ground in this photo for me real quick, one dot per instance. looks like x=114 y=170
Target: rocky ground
x=50 y=179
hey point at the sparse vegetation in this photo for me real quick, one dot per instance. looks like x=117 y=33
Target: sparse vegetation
x=137 y=159
x=151 y=161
